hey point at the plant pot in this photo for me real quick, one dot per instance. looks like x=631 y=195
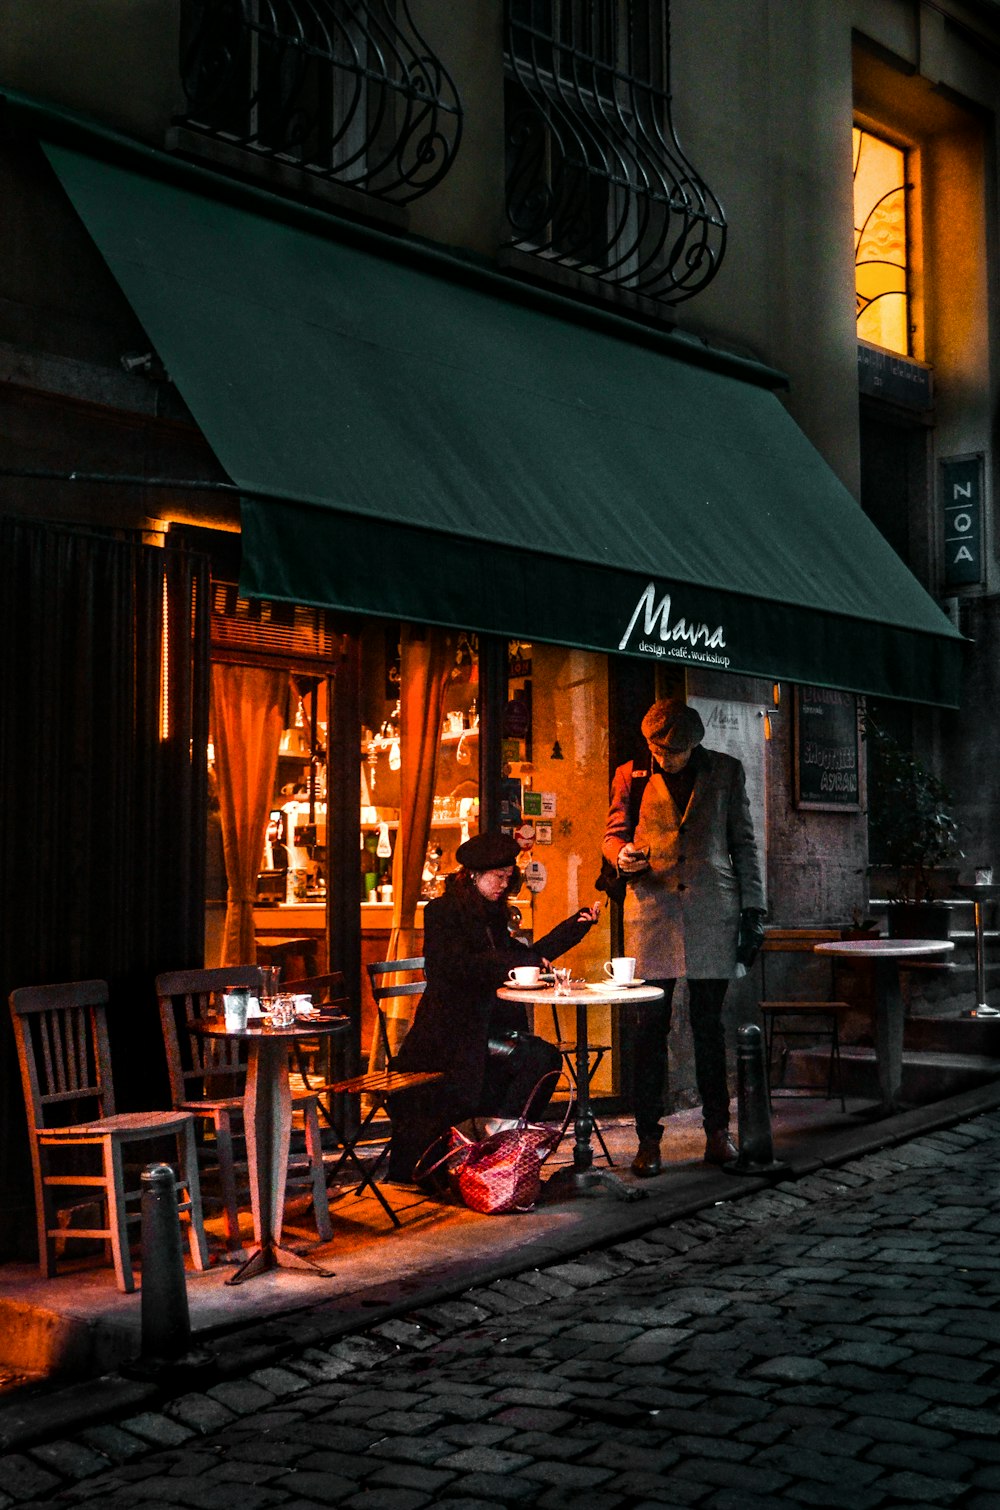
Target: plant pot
x=918 y=920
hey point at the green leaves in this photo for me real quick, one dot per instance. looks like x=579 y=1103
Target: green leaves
x=910 y=823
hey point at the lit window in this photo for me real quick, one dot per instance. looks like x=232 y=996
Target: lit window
x=880 y=242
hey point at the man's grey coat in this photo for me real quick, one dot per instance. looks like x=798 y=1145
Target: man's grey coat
x=682 y=914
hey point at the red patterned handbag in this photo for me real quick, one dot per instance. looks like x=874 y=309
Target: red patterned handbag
x=503 y=1172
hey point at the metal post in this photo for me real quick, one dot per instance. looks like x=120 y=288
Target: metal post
x=166 y=1322
x=756 y=1149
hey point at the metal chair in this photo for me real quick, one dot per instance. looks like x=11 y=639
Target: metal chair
x=567 y=1048
x=62 y=1045
x=319 y=1061
x=207 y=1079
x=378 y=1087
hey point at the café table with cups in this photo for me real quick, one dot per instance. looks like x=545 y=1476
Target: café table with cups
x=618 y=987
x=270 y=1032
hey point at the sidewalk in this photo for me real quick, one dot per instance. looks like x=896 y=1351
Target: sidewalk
x=441 y=1252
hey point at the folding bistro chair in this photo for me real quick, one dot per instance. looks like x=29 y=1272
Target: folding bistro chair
x=207 y=1078
x=62 y=1044
x=567 y=1048
x=379 y=1086
x=320 y=1061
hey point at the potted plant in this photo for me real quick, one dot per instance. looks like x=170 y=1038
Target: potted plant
x=913 y=832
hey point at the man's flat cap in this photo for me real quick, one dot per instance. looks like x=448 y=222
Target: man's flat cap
x=673 y=724
x=492 y=851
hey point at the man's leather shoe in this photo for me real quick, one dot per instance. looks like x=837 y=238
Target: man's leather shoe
x=719 y=1147
x=646 y=1163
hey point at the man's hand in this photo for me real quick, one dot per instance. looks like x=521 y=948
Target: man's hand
x=631 y=860
x=751 y=935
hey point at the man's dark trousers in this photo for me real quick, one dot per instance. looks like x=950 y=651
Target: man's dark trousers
x=652 y=1025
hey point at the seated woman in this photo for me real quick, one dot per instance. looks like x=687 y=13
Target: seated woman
x=469 y=951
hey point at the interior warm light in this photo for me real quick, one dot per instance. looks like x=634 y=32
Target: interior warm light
x=165 y=665
x=880 y=242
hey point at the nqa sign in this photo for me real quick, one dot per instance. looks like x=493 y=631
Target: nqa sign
x=962 y=507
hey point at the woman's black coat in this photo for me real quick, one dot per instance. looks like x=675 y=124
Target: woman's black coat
x=468 y=952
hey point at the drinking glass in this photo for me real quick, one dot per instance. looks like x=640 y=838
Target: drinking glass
x=269 y=976
x=562 y=976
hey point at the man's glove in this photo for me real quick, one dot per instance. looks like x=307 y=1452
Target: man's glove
x=751 y=935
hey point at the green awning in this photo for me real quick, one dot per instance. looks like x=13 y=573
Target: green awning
x=417 y=438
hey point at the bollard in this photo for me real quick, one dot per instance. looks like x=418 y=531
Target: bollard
x=166 y=1321
x=756 y=1154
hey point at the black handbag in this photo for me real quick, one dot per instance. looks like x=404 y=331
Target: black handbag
x=505 y=1045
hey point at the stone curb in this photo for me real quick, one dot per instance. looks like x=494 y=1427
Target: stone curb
x=60 y=1412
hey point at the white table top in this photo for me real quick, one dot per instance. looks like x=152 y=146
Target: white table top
x=579 y=995
x=885 y=948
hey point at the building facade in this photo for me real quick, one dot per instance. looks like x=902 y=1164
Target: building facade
x=654 y=342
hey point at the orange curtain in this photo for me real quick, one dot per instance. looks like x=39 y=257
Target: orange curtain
x=247 y=704
x=427 y=656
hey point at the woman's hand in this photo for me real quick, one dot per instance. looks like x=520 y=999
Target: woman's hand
x=589 y=914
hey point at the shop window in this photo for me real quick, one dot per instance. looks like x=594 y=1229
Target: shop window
x=881 y=242
x=554 y=792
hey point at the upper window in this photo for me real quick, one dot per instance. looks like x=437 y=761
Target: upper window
x=597 y=181
x=881 y=243
x=345 y=90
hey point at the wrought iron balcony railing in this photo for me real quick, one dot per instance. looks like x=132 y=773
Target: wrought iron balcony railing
x=597 y=180
x=347 y=90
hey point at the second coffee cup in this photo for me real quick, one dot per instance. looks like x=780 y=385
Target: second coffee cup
x=621 y=970
x=524 y=975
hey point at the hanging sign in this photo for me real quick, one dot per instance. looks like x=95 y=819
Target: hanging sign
x=962 y=509
x=535 y=875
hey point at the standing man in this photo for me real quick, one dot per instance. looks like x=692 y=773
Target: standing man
x=694 y=907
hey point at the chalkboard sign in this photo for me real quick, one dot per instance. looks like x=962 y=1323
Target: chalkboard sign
x=827 y=752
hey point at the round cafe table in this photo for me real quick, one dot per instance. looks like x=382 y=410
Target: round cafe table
x=267 y=1121
x=886 y=956
x=583 y=1176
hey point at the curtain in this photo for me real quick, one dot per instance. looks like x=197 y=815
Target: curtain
x=247 y=719
x=427 y=656
x=104 y=696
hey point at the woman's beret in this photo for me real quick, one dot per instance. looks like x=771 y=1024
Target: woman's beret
x=491 y=851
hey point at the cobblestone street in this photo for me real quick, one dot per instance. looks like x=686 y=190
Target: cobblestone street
x=834 y=1342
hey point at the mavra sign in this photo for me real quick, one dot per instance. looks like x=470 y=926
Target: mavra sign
x=962 y=516
x=665 y=634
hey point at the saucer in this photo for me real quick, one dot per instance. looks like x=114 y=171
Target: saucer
x=516 y=985
x=614 y=985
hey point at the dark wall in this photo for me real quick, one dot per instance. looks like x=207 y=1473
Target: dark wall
x=102 y=793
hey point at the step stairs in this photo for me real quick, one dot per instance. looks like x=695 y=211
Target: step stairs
x=942 y=1056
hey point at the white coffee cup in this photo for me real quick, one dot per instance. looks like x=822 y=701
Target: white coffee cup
x=524 y=975
x=621 y=970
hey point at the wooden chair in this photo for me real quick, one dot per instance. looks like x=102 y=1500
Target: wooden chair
x=567 y=1048
x=801 y=1019
x=378 y=1087
x=207 y=1078
x=290 y=955
x=62 y=1044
